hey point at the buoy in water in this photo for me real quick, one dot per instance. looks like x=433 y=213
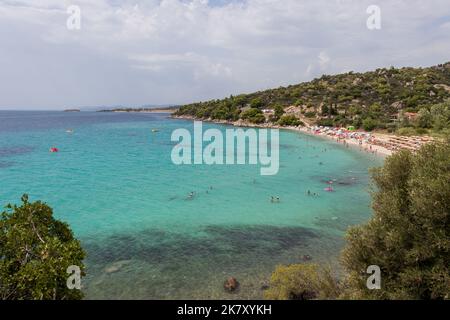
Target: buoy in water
x=53 y=149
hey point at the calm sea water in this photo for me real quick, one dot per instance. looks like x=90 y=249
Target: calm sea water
x=114 y=182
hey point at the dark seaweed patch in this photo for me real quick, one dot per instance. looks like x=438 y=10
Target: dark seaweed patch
x=342 y=181
x=215 y=244
x=6 y=164
x=337 y=224
x=14 y=151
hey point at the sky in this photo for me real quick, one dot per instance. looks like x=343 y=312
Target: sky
x=161 y=52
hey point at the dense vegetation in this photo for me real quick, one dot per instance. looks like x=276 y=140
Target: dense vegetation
x=408 y=237
x=35 y=252
x=302 y=282
x=380 y=99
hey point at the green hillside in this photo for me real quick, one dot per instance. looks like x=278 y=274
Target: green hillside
x=381 y=99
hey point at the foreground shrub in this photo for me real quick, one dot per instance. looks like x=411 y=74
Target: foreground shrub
x=302 y=282
x=35 y=252
x=409 y=234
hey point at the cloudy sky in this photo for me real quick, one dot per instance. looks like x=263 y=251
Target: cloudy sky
x=136 y=52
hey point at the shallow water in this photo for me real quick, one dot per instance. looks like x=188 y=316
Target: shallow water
x=114 y=182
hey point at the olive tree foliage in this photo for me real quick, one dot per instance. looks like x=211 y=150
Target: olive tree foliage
x=409 y=234
x=302 y=282
x=35 y=252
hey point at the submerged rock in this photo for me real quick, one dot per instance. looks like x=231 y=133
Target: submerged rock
x=264 y=285
x=231 y=284
x=307 y=257
x=116 y=266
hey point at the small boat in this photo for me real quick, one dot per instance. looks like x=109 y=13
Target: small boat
x=53 y=149
x=329 y=189
x=155 y=130
x=69 y=130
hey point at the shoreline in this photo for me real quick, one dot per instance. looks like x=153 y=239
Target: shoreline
x=360 y=145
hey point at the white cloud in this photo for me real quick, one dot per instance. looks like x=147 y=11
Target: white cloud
x=174 y=51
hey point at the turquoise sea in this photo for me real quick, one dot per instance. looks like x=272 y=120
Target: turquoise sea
x=114 y=182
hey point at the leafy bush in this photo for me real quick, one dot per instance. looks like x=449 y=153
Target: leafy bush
x=310 y=114
x=408 y=131
x=256 y=103
x=35 y=252
x=409 y=235
x=369 y=124
x=326 y=122
x=302 y=282
x=290 y=120
x=421 y=131
x=279 y=111
x=253 y=115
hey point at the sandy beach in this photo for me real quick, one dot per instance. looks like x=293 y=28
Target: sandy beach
x=361 y=145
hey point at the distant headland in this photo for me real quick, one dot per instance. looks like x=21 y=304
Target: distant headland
x=144 y=110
